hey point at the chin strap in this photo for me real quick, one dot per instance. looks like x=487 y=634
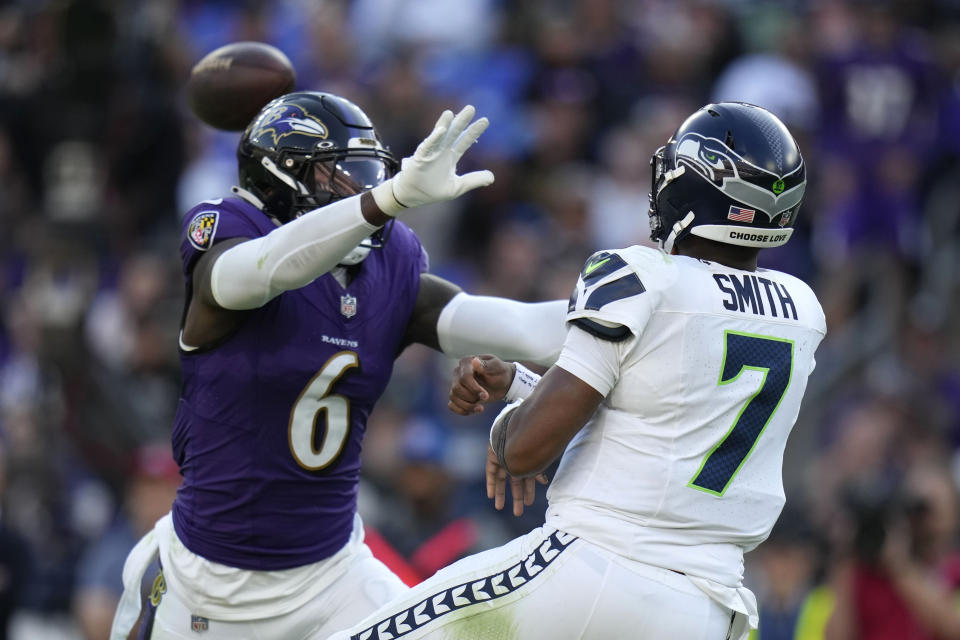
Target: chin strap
x=249 y=197
x=678 y=228
x=284 y=177
x=357 y=255
x=666 y=178
x=670 y=176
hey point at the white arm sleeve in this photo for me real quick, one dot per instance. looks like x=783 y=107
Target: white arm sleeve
x=251 y=273
x=508 y=329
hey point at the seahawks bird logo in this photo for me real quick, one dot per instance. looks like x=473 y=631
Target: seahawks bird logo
x=285 y=120
x=726 y=170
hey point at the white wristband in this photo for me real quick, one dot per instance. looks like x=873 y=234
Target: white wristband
x=386 y=199
x=523 y=383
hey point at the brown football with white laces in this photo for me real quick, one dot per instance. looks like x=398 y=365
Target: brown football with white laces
x=230 y=85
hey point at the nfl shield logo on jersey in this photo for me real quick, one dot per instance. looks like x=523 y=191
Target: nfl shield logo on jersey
x=198 y=623
x=348 y=305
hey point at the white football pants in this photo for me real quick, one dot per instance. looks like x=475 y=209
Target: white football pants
x=552 y=586
x=365 y=586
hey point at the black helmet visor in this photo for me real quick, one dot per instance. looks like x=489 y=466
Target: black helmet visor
x=345 y=176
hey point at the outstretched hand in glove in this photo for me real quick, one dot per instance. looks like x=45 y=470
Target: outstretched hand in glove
x=430 y=174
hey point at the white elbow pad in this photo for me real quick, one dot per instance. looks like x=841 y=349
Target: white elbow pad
x=511 y=330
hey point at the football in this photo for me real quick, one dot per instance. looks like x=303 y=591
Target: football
x=230 y=85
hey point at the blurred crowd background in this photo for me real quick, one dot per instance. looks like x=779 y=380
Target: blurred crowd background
x=99 y=159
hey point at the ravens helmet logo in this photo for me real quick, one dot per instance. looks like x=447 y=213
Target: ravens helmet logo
x=285 y=120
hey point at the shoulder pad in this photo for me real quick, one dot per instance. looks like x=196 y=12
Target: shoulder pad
x=223 y=218
x=214 y=220
x=607 y=299
x=602 y=330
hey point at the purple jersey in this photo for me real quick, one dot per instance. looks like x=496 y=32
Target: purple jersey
x=269 y=427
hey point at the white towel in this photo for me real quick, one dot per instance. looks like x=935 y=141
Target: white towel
x=128 y=611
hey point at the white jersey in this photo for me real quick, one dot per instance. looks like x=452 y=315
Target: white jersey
x=703 y=368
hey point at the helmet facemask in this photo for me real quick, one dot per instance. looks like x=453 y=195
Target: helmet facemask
x=316 y=180
x=661 y=229
x=656 y=175
x=333 y=177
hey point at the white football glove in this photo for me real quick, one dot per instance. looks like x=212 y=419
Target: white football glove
x=430 y=174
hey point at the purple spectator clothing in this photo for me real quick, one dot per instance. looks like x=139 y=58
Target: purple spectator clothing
x=269 y=427
x=875 y=97
x=879 y=103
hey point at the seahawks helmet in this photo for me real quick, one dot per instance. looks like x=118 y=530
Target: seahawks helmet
x=307 y=149
x=731 y=173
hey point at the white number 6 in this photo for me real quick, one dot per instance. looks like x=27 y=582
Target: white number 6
x=313 y=399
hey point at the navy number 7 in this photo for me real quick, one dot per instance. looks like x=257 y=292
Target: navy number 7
x=743 y=351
